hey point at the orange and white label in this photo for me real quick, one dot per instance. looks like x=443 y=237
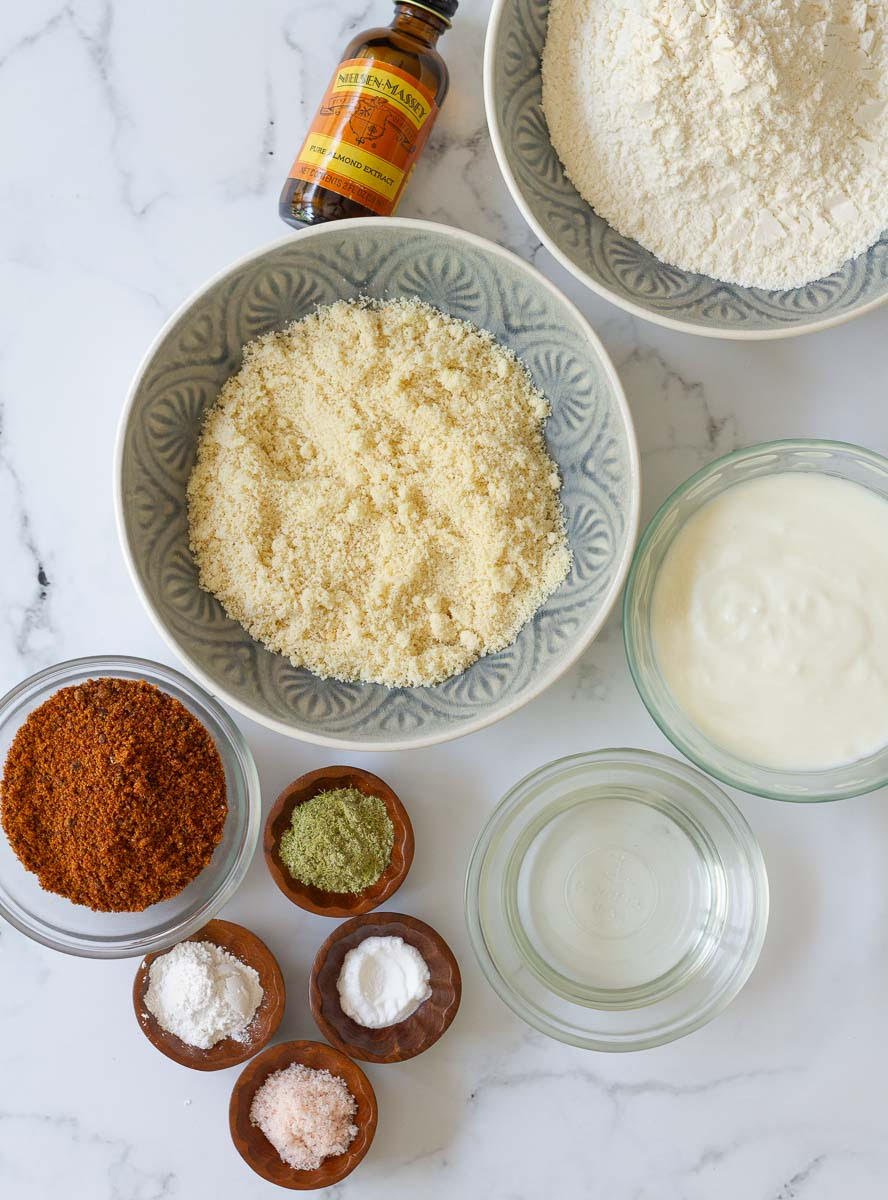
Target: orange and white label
x=367 y=133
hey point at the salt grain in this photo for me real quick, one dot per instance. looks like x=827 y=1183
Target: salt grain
x=306 y=1115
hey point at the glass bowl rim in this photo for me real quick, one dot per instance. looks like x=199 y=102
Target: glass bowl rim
x=607 y=603
x=745 y=840
x=236 y=753
x=723 y=775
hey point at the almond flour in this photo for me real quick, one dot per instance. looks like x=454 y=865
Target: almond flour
x=373 y=497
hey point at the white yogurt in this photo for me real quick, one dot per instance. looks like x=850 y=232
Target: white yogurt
x=770 y=621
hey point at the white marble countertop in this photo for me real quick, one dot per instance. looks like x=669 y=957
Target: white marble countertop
x=144 y=148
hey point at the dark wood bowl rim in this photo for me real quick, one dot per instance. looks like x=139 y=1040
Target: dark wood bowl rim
x=251 y=1143
x=338 y=904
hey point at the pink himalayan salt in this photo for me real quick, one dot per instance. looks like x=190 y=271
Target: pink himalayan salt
x=305 y=1114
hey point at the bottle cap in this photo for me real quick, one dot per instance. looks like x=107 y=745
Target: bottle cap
x=441 y=8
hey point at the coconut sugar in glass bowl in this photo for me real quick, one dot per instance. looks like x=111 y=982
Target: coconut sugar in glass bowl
x=74 y=929
x=853 y=463
x=616 y=900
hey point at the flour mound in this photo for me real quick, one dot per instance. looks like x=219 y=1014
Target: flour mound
x=203 y=994
x=743 y=139
x=373 y=497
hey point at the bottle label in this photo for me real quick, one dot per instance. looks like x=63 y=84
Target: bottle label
x=367 y=133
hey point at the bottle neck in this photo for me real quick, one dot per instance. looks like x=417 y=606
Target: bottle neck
x=420 y=23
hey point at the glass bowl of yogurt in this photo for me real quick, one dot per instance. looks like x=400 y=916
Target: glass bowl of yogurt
x=756 y=619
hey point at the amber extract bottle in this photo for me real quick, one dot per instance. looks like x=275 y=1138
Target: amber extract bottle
x=373 y=121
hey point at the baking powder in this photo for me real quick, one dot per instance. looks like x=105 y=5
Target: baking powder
x=382 y=981
x=202 y=994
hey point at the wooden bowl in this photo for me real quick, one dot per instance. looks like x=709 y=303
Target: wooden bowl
x=228 y=1053
x=255 y=1148
x=394 y=1043
x=338 y=904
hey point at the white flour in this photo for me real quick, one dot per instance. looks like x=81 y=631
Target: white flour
x=202 y=994
x=745 y=139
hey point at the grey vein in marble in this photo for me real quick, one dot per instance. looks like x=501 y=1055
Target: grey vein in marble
x=97 y=43
x=618 y=1091
x=28 y=40
x=57 y=1134
x=31 y=626
x=793 y=1187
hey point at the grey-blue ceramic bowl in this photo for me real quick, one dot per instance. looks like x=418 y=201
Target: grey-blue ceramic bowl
x=589 y=434
x=75 y=929
x=617 y=267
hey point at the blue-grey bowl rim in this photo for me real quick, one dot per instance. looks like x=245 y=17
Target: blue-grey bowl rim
x=633 y=514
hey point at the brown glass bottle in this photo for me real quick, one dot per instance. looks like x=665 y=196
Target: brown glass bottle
x=373 y=120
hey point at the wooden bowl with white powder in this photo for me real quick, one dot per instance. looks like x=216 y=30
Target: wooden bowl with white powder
x=438 y=441
x=248 y=949
x=255 y=1148
x=420 y=1030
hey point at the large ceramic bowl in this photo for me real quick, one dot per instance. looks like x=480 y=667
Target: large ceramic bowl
x=636 y=941
x=617 y=267
x=76 y=929
x=589 y=434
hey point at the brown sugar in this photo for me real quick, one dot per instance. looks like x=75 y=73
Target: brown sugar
x=113 y=794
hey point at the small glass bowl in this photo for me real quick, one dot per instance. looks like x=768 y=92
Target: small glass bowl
x=75 y=929
x=769 y=458
x=672 y=858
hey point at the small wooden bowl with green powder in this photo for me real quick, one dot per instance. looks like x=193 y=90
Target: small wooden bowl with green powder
x=338 y=842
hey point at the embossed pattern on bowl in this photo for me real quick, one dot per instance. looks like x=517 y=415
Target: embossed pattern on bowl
x=617 y=267
x=589 y=434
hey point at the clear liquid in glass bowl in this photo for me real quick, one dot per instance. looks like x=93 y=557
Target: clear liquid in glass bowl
x=616 y=900
x=613 y=892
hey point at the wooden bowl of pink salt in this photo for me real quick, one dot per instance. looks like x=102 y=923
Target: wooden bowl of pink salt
x=302 y=1115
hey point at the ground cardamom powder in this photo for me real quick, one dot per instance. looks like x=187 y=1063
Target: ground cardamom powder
x=339 y=841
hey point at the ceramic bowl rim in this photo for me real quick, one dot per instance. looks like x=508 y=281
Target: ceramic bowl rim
x=491 y=42
x=723 y=774
x=633 y=490
x=159 y=674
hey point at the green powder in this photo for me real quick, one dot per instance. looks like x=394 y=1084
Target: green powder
x=339 y=841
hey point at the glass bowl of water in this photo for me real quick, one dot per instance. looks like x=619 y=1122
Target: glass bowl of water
x=617 y=900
